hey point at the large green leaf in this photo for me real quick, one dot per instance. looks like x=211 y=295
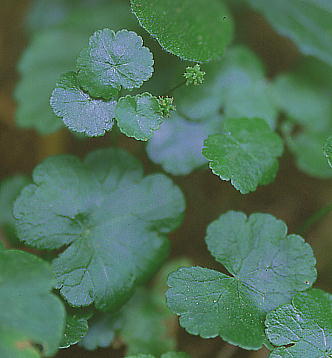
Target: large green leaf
x=188 y=29
x=267 y=268
x=112 y=61
x=78 y=110
x=30 y=313
x=171 y=148
x=245 y=153
x=303 y=328
x=112 y=219
x=307 y=22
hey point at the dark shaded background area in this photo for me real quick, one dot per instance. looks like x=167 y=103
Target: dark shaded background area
x=292 y=197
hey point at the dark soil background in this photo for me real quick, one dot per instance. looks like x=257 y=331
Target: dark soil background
x=293 y=197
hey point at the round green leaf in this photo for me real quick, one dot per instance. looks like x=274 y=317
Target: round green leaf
x=186 y=28
x=302 y=328
x=112 y=219
x=114 y=60
x=32 y=314
x=78 y=110
x=245 y=153
x=138 y=116
x=267 y=267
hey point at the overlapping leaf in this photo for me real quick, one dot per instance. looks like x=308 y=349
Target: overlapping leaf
x=53 y=52
x=267 y=267
x=78 y=110
x=177 y=145
x=307 y=22
x=302 y=328
x=245 y=153
x=190 y=30
x=25 y=292
x=114 y=60
x=139 y=116
x=111 y=218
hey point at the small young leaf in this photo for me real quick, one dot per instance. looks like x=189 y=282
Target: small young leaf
x=138 y=116
x=267 y=267
x=302 y=328
x=114 y=60
x=307 y=22
x=171 y=148
x=245 y=153
x=328 y=150
x=112 y=219
x=76 y=328
x=78 y=110
x=188 y=29
x=25 y=292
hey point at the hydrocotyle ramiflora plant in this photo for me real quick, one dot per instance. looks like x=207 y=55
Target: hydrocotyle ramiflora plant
x=83 y=243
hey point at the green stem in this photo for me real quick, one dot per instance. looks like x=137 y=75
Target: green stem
x=314 y=218
x=170 y=91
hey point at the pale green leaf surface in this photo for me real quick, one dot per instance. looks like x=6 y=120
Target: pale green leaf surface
x=111 y=218
x=177 y=145
x=237 y=84
x=307 y=22
x=267 y=268
x=303 y=328
x=190 y=30
x=138 y=116
x=78 y=110
x=245 y=153
x=114 y=60
x=25 y=292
